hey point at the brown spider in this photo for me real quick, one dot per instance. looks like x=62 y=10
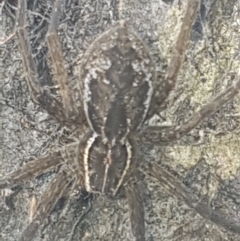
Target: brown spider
x=119 y=92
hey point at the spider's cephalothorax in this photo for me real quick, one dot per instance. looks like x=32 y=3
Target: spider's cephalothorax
x=117 y=75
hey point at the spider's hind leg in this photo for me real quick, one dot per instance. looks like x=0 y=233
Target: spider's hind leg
x=56 y=55
x=63 y=112
x=163 y=89
x=163 y=134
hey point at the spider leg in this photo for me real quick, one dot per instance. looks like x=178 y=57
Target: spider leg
x=166 y=134
x=31 y=169
x=163 y=89
x=136 y=210
x=53 y=106
x=173 y=186
x=57 y=60
x=51 y=195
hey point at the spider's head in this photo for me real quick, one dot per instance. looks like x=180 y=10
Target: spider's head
x=105 y=166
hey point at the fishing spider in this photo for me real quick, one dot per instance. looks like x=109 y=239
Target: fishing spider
x=119 y=93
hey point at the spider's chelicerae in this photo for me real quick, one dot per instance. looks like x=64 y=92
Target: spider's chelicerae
x=119 y=93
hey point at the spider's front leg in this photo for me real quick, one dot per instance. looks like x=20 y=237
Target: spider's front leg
x=56 y=188
x=42 y=165
x=173 y=186
x=64 y=112
x=136 y=209
x=31 y=169
x=51 y=195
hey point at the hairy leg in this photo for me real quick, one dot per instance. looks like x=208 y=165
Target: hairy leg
x=163 y=89
x=51 y=195
x=55 y=51
x=63 y=112
x=136 y=209
x=173 y=186
x=159 y=134
x=31 y=169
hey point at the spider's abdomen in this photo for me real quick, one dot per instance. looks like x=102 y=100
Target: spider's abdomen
x=117 y=75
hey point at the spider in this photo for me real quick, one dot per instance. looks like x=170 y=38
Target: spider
x=119 y=93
